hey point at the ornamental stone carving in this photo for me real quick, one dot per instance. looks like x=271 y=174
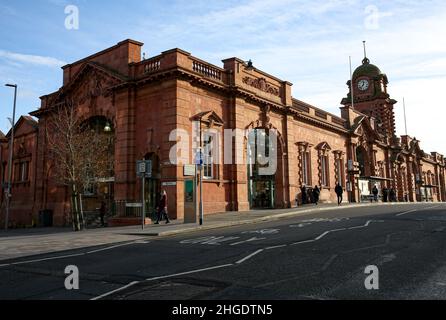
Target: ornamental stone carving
x=262 y=85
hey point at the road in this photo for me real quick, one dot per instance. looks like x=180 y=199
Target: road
x=322 y=256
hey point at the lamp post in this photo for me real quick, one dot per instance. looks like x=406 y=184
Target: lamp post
x=201 y=178
x=11 y=148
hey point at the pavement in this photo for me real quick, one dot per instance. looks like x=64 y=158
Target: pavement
x=28 y=242
x=318 y=255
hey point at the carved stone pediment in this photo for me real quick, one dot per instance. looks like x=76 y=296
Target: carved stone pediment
x=262 y=85
x=90 y=83
x=210 y=118
x=94 y=84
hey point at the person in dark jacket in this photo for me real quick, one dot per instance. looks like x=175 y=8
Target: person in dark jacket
x=304 y=194
x=392 y=195
x=316 y=194
x=375 y=193
x=385 y=194
x=102 y=212
x=339 y=192
x=162 y=208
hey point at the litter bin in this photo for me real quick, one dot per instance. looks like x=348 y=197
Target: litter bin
x=46 y=218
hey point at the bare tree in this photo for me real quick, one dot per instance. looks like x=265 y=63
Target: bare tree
x=79 y=154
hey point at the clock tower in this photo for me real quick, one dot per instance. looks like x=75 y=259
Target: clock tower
x=370 y=96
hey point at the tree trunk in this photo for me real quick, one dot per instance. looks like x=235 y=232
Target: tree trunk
x=75 y=210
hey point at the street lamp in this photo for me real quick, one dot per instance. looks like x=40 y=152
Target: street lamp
x=11 y=148
x=107 y=127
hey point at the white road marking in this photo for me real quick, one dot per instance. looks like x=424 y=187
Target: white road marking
x=112 y=247
x=249 y=257
x=218 y=240
x=43 y=259
x=301 y=225
x=263 y=231
x=300 y=242
x=329 y=262
x=358 y=227
x=209 y=240
x=322 y=235
x=335 y=230
x=246 y=241
x=276 y=247
x=69 y=255
x=403 y=213
x=114 y=291
x=190 y=272
x=161 y=277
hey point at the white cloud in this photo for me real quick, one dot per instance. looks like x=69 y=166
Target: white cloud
x=31 y=59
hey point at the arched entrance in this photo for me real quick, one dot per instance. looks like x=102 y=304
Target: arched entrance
x=363 y=163
x=364 y=183
x=153 y=185
x=100 y=187
x=265 y=169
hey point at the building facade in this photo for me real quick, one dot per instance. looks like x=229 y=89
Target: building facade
x=145 y=100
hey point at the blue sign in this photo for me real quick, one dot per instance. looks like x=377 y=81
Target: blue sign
x=199 y=158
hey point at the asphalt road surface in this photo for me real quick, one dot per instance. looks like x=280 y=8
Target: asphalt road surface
x=320 y=256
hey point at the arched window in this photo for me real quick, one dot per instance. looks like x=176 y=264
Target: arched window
x=305 y=163
x=324 y=164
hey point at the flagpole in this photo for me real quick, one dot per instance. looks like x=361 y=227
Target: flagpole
x=351 y=81
x=352 y=101
x=405 y=119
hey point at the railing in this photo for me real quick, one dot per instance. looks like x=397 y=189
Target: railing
x=302 y=108
x=152 y=65
x=206 y=70
x=131 y=209
x=321 y=114
x=124 y=208
x=338 y=121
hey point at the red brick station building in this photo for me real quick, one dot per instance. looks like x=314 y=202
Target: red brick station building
x=143 y=100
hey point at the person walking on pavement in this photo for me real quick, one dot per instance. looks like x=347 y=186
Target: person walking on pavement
x=304 y=194
x=339 y=191
x=392 y=195
x=162 y=208
x=102 y=212
x=375 y=193
x=385 y=194
x=316 y=194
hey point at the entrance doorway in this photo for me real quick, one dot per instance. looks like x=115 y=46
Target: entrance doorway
x=261 y=188
x=262 y=195
x=153 y=186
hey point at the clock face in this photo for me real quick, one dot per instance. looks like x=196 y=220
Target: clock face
x=363 y=85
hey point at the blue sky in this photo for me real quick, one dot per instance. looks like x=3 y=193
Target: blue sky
x=305 y=42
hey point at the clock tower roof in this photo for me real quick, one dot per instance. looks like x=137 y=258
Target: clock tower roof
x=366 y=69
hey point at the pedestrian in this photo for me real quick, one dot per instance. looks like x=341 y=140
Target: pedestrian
x=102 y=211
x=392 y=195
x=385 y=194
x=304 y=194
x=339 y=191
x=375 y=192
x=316 y=194
x=162 y=208
x=297 y=199
x=310 y=196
